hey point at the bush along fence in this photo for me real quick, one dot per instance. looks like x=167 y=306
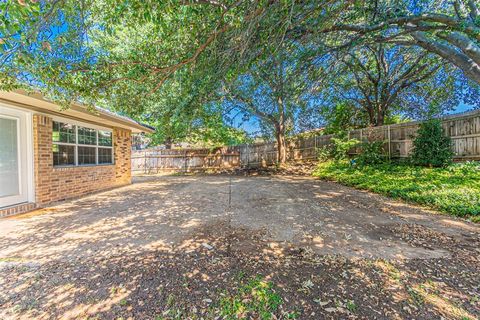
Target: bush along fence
x=463 y=129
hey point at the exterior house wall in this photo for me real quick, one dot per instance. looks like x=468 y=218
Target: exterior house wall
x=59 y=183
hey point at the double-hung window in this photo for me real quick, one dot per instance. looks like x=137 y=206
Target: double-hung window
x=76 y=145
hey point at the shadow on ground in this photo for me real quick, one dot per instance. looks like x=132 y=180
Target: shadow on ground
x=172 y=247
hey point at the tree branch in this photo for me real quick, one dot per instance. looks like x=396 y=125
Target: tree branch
x=471 y=69
x=474 y=11
x=467 y=27
x=467 y=46
x=207 y=2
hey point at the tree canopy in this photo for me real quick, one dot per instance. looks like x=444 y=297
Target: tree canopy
x=383 y=80
x=168 y=62
x=275 y=90
x=450 y=29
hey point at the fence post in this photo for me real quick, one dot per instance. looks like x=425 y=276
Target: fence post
x=145 y=163
x=185 y=160
x=389 y=143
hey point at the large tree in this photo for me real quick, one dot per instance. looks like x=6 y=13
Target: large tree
x=383 y=80
x=170 y=56
x=94 y=48
x=159 y=59
x=202 y=126
x=273 y=91
x=183 y=33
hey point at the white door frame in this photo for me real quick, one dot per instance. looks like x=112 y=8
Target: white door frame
x=25 y=155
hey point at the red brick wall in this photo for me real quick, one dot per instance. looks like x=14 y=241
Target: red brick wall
x=54 y=184
x=123 y=150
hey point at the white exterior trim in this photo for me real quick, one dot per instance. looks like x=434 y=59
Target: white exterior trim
x=37 y=103
x=30 y=158
x=26 y=165
x=78 y=123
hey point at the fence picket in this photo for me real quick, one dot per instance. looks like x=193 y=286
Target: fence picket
x=464 y=129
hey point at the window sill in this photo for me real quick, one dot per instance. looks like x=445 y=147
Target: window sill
x=83 y=166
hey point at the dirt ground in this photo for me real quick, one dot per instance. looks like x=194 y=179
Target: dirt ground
x=175 y=247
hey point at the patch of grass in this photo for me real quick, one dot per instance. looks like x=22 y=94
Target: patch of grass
x=256 y=299
x=454 y=190
x=351 y=306
x=415 y=296
x=426 y=294
x=240 y=275
x=170 y=300
x=113 y=290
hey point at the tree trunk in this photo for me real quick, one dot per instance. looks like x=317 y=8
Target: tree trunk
x=380 y=118
x=168 y=143
x=371 y=114
x=281 y=146
x=371 y=117
x=281 y=143
x=280 y=133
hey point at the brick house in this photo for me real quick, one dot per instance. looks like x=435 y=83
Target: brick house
x=48 y=154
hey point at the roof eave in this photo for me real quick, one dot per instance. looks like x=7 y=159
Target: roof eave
x=36 y=101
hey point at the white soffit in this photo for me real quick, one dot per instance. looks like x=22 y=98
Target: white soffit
x=36 y=102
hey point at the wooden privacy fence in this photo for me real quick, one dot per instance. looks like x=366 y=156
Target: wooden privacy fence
x=184 y=160
x=265 y=154
x=463 y=129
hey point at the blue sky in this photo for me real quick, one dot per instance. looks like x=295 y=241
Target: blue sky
x=462 y=107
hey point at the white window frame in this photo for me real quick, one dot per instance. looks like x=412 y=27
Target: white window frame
x=77 y=124
x=25 y=135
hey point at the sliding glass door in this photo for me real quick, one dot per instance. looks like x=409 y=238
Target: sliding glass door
x=13 y=157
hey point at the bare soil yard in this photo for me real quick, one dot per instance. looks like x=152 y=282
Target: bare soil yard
x=180 y=247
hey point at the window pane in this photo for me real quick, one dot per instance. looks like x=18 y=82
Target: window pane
x=63 y=132
x=104 y=155
x=9 y=164
x=86 y=155
x=104 y=138
x=87 y=136
x=63 y=155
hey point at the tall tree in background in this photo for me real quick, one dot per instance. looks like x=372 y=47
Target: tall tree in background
x=159 y=59
x=342 y=117
x=381 y=80
x=37 y=47
x=202 y=127
x=273 y=92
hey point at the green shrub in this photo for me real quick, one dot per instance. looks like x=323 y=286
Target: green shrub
x=324 y=154
x=337 y=150
x=371 y=153
x=431 y=147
